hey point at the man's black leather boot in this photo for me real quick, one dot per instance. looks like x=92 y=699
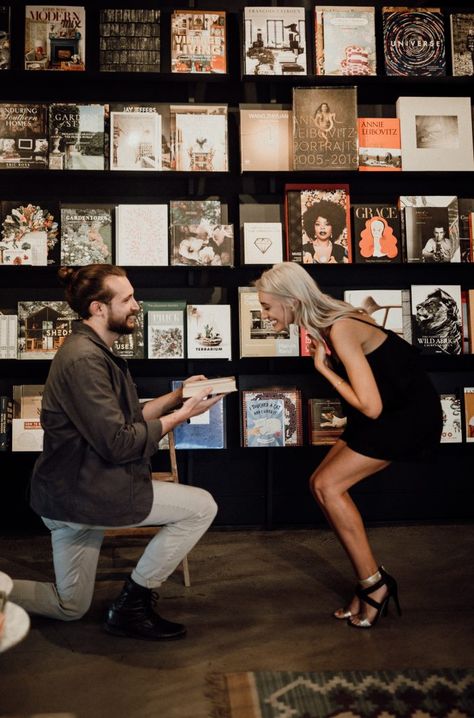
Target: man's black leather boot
x=132 y=615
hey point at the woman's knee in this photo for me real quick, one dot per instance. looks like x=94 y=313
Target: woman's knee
x=320 y=486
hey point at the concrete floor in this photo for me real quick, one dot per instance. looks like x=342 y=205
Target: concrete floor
x=258 y=600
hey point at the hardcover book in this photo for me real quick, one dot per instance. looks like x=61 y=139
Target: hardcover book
x=77 y=139
x=218 y=385
x=377 y=236
x=436 y=133
x=452 y=427
x=200 y=133
x=5 y=36
x=262 y=242
x=431 y=227
x=274 y=41
x=257 y=335
x=198 y=41
x=469 y=412
x=6 y=416
x=462 y=43
x=29 y=234
x=129 y=40
x=202 y=245
x=379 y=144
x=272 y=417
x=27 y=434
x=142 y=235
x=135 y=141
x=196 y=213
x=326 y=421
x=209 y=331
x=42 y=328
x=165 y=329
x=163 y=124
x=23 y=136
x=206 y=431
x=470 y=320
x=132 y=346
x=55 y=37
x=437 y=318
x=8 y=333
x=318 y=228
x=345 y=40
x=266 y=138
x=414 y=41
x=86 y=234
x=466 y=236
x=385 y=306
x=325 y=128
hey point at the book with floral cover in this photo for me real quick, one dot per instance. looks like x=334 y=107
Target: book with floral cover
x=164 y=322
x=23 y=135
x=29 y=234
x=209 y=331
x=55 y=37
x=86 y=234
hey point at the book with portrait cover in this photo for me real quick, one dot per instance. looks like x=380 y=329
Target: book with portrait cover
x=129 y=40
x=141 y=235
x=379 y=144
x=86 y=234
x=135 y=141
x=29 y=234
x=377 y=233
x=208 y=331
x=452 y=424
x=437 y=318
x=414 y=41
x=262 y=242
x=345 y=40
x=256 y=334
x=200 y=138
x=272 y=417
x=132 y=346
x=198 y=41
x=23 y=135
x=266 y=138
x=42 y=328
x=466 y=208
x=468 y=393
x=5 y=37
x=462 y=43
x=326 y=421
x=165 y=329
x=77 y=137
x=274 y=41
x=325 y=128
x=431 y=228
x=8 y=333
x=206 y=431
x=55 y=37
x=318 y=225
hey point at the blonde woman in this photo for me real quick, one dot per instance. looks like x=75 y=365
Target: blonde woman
x=393 y=413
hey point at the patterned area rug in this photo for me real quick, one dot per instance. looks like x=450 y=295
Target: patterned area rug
x=440 y=693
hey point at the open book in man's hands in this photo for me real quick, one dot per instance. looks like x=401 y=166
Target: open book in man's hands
x=221 y=385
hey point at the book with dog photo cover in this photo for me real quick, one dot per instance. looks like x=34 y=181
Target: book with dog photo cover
x=326 y=421
x=437 y=318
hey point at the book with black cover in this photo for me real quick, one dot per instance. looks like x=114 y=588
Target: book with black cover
x=414 y=41
x=437 y=318
x=23 y=135
x=132 y=346
x=129 y=40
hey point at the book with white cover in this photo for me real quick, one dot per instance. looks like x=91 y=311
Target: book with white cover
x=135 y=141
x=275 y=41
x=266 y=138
x=452 y=427
x=436 y=133
x=263 y=242
x=142 y=235
x=257 y=335
x=201 y=138
x=8 y=334
x=437 y=318
x=165 y=329
x=209 y=331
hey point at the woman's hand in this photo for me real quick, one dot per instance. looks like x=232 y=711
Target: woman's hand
x=320 y=353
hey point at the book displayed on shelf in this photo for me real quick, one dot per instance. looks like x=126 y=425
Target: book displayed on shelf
x=132 y=346
x=86 y=234
x=379 y=144
x=202 y=245
x=385 y=306
x=55 y=37
x=257 y=337
x=135 y=141
x=23 y=135
x=6 y=416
x=198 y=41
x=465 y=321
x=196 y=213
x=326 y=421
x=274 y=41
x=162 y=157
x=466 y=234
x=77 y=137
x=262 y=242
x=218 y=385
x=200 y=133
x=414 y=41
x=266 y=138
x=470 y=320
x=27 y=434
x=469 y=412
x=206 y=431
x=141 y=235
x=345 y=40
x=29 y=234
x=437 y=318
x=165 y=329
x=42 y=328
x=318 y=225
x=377 y=233
x=8 y=333
x=325 y=128
x=462 y=42
x=452 y=425
x=5 y=32
x=436 y=133
x=431 y=228
x=129 y=40
x=272 y=417
x=208 y=331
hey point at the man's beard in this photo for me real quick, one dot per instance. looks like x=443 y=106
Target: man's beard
x=120 y=326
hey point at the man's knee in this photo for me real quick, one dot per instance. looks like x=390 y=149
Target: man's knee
x=207 y=505
x=73 y=609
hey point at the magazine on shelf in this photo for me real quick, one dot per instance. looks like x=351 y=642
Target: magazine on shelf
x=326 y=421
x=165 y=332
x=29 y=234
x=379 y=144
x=462 y=43
x=257 y=336
x=431 y=228
x=55 y=37
x=8 y=333
x=452 y=424
x=23 y=135
x=76 y=136
x=272 y=417
x=142 y=235
x=437 y=318
x=266 y=138
x=86 y=234
x=275 y=41
x=414 y=41
x=5 y=38
x=42 y=328
x=129 y=40
x=209 y=331
x=200 y=138
x=345 y=40
x=206 y=431
x=377 y=233
x=198 y=41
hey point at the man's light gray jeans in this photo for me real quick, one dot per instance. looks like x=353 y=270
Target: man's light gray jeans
x=184 y=513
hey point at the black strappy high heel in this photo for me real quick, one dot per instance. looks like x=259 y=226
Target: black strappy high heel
x=344 y=613
x=381 y=578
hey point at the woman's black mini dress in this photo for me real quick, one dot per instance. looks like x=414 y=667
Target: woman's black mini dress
x=411 y=421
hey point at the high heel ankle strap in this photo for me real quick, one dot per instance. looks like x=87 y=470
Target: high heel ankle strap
x=370 y=580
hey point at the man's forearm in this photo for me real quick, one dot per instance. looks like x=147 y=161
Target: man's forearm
x=155 y=408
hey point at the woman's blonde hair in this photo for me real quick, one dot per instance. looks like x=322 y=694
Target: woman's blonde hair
x=312 y=309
